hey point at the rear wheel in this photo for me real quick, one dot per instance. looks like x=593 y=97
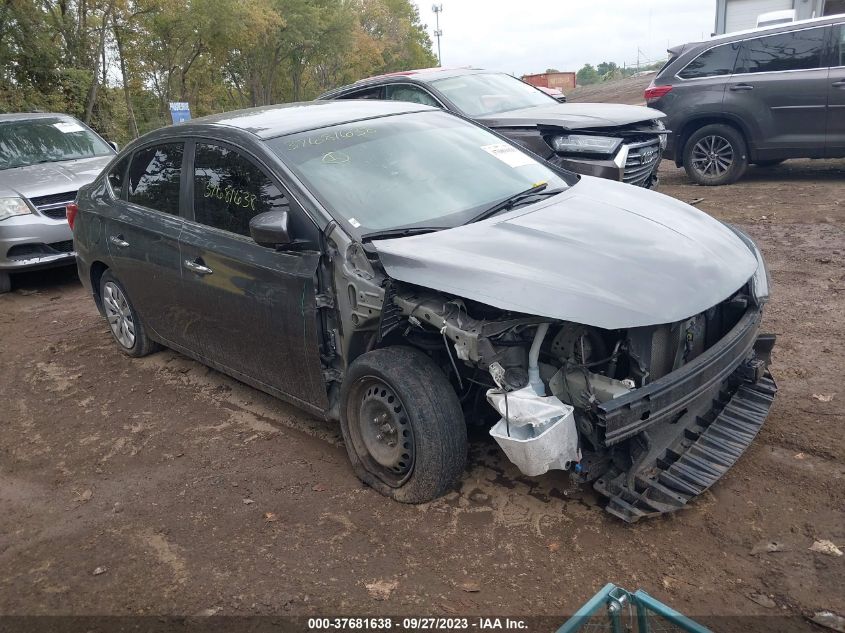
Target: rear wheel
x=715 y=155
x=124 y=322
x=5 y=282
x=402 y=425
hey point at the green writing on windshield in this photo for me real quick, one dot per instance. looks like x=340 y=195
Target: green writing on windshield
x=329 y=137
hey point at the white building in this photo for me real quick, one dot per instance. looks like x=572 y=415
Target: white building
x=738 y=15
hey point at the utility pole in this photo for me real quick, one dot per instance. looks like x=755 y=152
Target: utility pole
x=438 y=9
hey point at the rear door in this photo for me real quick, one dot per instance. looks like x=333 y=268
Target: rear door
x=248 y=308
x=143 y=234
x=780 y=87
x=836 y=96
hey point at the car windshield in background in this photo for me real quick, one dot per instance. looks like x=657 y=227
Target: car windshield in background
x=489 y=93
x=47 y=140
x=427 y=169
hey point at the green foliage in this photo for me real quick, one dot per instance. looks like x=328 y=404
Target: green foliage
x=216 y=54
x=587 y=75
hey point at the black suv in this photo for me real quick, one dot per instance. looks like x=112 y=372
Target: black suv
x=755 y=97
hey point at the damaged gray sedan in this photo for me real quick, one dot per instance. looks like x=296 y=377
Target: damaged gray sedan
x=407 y=272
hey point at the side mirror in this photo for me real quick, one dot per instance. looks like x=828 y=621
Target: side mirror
x=270 y=229
x=113 y=145
x=561 y=99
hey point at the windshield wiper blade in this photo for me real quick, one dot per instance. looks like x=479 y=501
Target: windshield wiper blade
x=511 y=201
x=391 y=233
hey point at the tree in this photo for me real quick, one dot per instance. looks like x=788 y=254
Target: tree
x=587 y=75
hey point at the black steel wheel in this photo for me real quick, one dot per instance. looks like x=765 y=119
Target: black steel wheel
x=402 y=425
x=715 y=155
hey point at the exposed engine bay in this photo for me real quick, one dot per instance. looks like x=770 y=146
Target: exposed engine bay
x=651 y=415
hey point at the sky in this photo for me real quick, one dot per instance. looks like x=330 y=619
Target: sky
x=525 y=36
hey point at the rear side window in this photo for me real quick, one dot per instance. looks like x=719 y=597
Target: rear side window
x=840 y=47
x=229 y=190
x=798 y=50
x=117 y=177
x=154 y=177
x=713 y=62
x=369 y=93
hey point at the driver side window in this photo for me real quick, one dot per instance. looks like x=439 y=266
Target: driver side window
x=230 y=190
x=412 y=94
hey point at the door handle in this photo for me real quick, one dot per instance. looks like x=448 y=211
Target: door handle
x=196 y=267
x=118 y=240
x=742 y=87
x=839 y=84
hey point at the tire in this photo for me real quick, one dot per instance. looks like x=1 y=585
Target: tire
x=398 y=394
x=125 y=324
x=769 y=163
x=715 y=155
x=5 y=282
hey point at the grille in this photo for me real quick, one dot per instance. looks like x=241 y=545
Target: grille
x=643 y=159
x=55 y=205
x=65 y=246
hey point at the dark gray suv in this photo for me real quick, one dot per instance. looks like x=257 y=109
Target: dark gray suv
x=755 y=97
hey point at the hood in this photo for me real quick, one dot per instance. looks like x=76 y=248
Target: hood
x=601 y=253
x=572 y=116
x=49 y=178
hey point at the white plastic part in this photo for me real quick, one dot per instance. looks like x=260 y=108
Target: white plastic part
x=534 y=380
x=539 y=434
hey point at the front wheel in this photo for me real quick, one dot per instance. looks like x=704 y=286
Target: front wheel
x=402 y=424
x=715 y=155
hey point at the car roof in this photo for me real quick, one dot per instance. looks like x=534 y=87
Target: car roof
x=289 y=118
x=27 y=116
x=421 y=75
x=767 y=30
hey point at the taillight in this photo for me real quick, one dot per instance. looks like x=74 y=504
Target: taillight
x=655 y=92
x=72 y=209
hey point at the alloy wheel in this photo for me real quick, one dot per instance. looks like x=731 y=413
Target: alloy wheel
x=712 y=155
x=119 y=315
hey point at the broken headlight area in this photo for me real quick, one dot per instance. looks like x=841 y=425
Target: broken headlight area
x=652 y=416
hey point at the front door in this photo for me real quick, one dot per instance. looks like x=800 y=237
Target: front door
x=781 y=86
x=251 y=309
x=836 y=96
x=142 y=233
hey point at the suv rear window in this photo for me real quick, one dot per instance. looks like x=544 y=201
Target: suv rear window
x=796 y=50
x=713 y=62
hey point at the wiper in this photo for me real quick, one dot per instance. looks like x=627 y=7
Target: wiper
x=518 y=198
x=390 y=233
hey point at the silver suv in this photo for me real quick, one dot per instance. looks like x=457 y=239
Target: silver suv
x=44 y=160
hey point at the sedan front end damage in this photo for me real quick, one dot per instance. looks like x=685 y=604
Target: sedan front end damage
x=661 y=408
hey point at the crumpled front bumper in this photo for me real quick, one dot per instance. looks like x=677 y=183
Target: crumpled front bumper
x=712 y=415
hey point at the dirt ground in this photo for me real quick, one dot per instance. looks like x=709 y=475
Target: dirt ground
x=158 y=486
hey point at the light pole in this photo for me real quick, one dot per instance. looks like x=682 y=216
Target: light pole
x=438 y=9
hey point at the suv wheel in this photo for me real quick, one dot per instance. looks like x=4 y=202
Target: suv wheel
x=402 y=424
x=124 y=323
x=715 y=155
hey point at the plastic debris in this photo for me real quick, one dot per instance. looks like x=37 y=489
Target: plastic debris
x=829 y=620
x=381 y=589
x=826 y=547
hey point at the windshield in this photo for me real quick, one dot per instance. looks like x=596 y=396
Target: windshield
x=47 y=140
x=425 y=169
x=489 y=93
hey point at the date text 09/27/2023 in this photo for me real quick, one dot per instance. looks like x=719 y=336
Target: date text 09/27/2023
x=415 y=624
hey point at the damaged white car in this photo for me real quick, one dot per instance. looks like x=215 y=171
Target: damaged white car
x=424 y=272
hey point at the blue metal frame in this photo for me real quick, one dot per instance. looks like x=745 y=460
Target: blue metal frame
x=614 y=598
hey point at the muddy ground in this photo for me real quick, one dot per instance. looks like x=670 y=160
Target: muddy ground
x=158 y=486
